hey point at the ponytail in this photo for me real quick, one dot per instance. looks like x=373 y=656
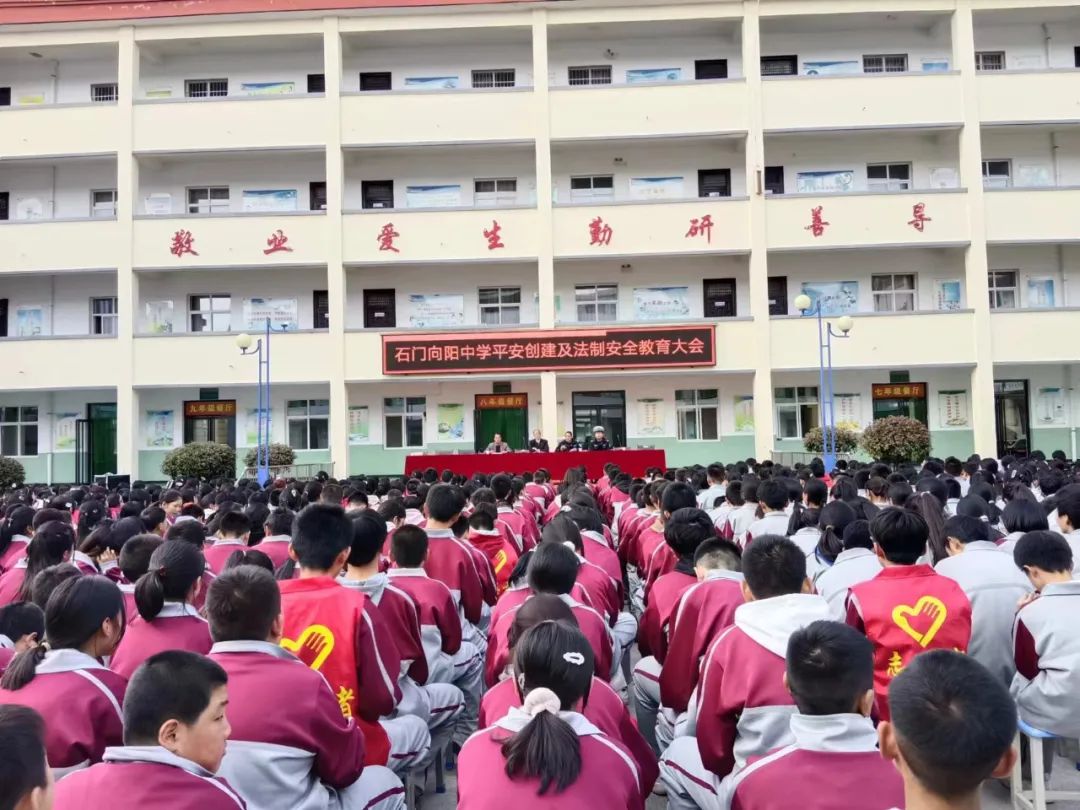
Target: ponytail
x=19 y=520
x=23 y=667
x=175 y=567
x=835 y=517
x=547 y=748
x=52 y=542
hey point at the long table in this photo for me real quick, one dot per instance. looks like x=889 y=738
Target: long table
x=634 y=462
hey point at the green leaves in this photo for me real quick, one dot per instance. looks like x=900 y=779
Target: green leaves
x=204 y=460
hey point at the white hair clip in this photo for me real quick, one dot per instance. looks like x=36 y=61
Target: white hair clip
x=575 y=658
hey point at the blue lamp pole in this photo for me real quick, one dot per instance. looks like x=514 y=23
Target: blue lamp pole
x=825 y=373
x=262 y=352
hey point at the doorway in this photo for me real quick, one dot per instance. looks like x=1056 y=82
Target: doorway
x=1012 y=417
x=604 y=408
x=510 y=420
x=206 y=421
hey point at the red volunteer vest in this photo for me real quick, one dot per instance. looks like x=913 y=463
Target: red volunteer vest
x=907 y=610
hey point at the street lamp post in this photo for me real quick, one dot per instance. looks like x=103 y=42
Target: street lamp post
x=262 y=422
x=825 y=373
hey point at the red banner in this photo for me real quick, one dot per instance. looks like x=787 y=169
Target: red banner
x=548 y=350
x=491 y=401
x=899 y=391
x=225 y=407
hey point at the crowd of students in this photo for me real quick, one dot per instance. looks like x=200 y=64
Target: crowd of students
x=867 y=635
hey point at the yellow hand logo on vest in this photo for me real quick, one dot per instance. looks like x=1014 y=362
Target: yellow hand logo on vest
x=313 y=646
x=929 y=613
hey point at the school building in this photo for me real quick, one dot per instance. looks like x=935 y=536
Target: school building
x=467 y=216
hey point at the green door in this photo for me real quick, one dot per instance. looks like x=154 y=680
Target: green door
x=512 y=423
x=102 y=418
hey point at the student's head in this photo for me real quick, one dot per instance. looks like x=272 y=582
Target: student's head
x=961 y=530
x=833 y=520
x=543 y=607
x=773 y=566
x=154 y=520
x=687 y=529
x=368 y=536
x=249 y=556
x=49 y=580
x=321 y=538
x=234 y=526
x=553 y=670
x=23 y=623
x=444 y=503
x=677 y=495
x=134 y=560
x=1068 y=508
x=483 y=517
x=1024 y=516
x=188 y=531
x=952 y=726
x=172 y=501
x=174 y=575
x=279 y=523
x=830 y=669
x=899 y=535
x=332 y=494
x=716 y=554
x=177 y=700
x=409 y=546
x=552 y=569
x=773 y=494
x=1045 y=557
x=53 y=544
x=26 y=780
x=244 y=604
x=857 y=535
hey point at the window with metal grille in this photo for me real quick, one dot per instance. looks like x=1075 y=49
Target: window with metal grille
x=698 y=414
x=597 y=302
x=103 y=313
x=380 y=309
x=774 y=179
x=494 y=192
x=103 y=202
x=893 y=292
x=19 y=431
x=997 y=173
x=594 y=74
x=1004 y=293
x=592 y=187
x=500 y=306
x=403 y=421
x=888 y=176
x=206 y=88
x=796 y=411
x=885 y=63
x=503 y=77
x=719 y=295
x=208 y=199
x=377 y=193
x=321 y=306
x=778 y=295
x=103 y=92
x=317 y=195
x=375 y=81
x=309 y=423
x=211 y=312
x=989 y=60
x=779 y=65
x=714 y=182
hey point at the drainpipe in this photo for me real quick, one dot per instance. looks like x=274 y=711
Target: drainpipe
x=1046 y=43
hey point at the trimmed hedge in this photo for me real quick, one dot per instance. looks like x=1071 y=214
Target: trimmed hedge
x=847 y=440
x=202 y=460
x=281 y=455
x=896 y=439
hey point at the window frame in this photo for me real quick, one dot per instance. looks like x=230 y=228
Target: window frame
x=213 y=205
x=498 y=198
x=1007 y=177
x=496 y=80
x=94 y=204
x=884 y=57
x=591 y=194
x=191 y=86
x=307 y=418
x=595 y=75
x=698 y=406
x=980 y=56
x=404 y=415
x=98 y=320
x=114 y=94
x=889 y=183
x=996 y=291
x=24 y=429
x=595 y=302
x=211 y=315
x=710 y=301
x=500 y=307
x=798 y=402
x=893 y=293
x=788 y=60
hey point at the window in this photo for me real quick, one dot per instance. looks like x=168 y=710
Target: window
x=774 y=179
x=317 y=195
x=309 y=423
x=714 y=182
x=596 y=74
x=698 y=415
x=5 y=96
x=885 y=63
x=494 y=192
x=19 y=431
x=375 y=81
x=1003 y=289
x=893 y=292
x=206 y=88
x=778 y=295
x=989 y=60
x=597 y=302
x=321 y=308
x=493 y=78
x=3 y=317
x=997 y=173
x=796 y=411
x=316 y=82
x=598 y=187
x=779 y=65
x=380 y=309
x=103 y=92
x=403 y=421
x=103 y=316
x=103 y=203
x=710 y=69
x=719 y=295
x=888 y=176
x=208 y=200
x=210 y=313
x=500 y=305
x=377 y=193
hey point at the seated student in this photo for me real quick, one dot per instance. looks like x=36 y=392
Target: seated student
x=234 y=528
x=743 y=708
x=993 y=584
x=49 y=580
x=834 y=758
x=193 y=533
x=270 y=759
x=740 y=518
x=1045 y=644
x=604 y=707
x=16 y=529
x=552 y=569
x=22 y=626
x=601 y=589
x=1068 y=520
x=174 y=739
x=166 y=619
x=62 y=676
x=317 y=608
x=134 y=561
x=500 y=552
x=856 y=562
x=773 y=500
x=249 y=556
x=594 y=546
x=1020 y=517
x=716 y=477
x=275 y=542
x=53 y=544
x=657 y=556
x=26 y=780
x=546 y=753
x=952 y=728
x=832 y=520
x=684 y=532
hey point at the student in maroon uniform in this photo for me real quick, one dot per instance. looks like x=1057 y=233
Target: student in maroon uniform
x=174 y=740
x=26 y=780
x=49 y=580
x=233 y=531
x=166 y=619
x=546 y=753
x=134 y=561
x=657 y=557
x=22 y=625
x=53 y=544
x=63 y=677
x=15 y=532
x=275 y=542
x=193 y=533
x=272 y=759
x=501 y=553
x=830 y=674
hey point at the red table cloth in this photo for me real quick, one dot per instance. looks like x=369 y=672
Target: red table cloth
x=634 y=462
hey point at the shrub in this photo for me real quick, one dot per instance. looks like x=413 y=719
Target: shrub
x=281 y=455
x=204 y=460
x=896 y=439
x=846 y=440
x=12 y=473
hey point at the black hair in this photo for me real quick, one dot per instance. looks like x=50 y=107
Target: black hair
x=901 y=534
x=816 y=492
x=242 y=604
x=51 y=543
x=368 y=536
x=391 y=510
x=23 y=763
x=22 y=619
x=48 y=580
x=483 y=517
x=687 y=529
x=1046 y=550
x=234 y=524
x=172 y=685
x=1024 y=516
x=967 y=529
x=1069 y=506
x=134 y=560
x=830 y=666
x=444 y=502
x=953 y=719
x=249 y=556
x=773 y=566
x=91 y=513
x=18 y=521
x=933 y=512
x=409 y=546
x=552 y=569
x=833 y=521
x=857 y=535
x=542 y=607
x=558 y=658
x=74 y=615
x=677 y=495
x=280 y=521
x=773 y=494
x=320 y=533
x=123 y=530
x=174 y=570
x=152 y=517
x=48 y=514
x=562 y=529
x=718 y=553
x=190 y=531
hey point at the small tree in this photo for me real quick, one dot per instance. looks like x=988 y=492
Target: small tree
x=896 y=439
x=12 y=473
x=846 y=440
x=204 y=460
x=281 y=455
